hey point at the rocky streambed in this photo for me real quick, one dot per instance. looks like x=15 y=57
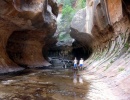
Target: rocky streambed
x=54 y=84
x=49 y=84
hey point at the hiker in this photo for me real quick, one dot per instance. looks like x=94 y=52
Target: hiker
x=75 y=63
x=81 y=61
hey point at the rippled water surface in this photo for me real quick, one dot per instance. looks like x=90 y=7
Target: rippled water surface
x=44 y=84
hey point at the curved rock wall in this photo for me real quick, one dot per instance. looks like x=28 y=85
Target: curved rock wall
x=25 y=25
x=6 y=65
x=108 y=24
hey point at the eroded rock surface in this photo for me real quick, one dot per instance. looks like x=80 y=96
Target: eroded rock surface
x=25 y=25
x=108 y=25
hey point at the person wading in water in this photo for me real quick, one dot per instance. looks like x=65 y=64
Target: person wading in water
x=75 y=63
x=81 y=63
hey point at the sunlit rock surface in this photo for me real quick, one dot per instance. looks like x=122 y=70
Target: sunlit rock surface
x=107 y=22
x=24 y=27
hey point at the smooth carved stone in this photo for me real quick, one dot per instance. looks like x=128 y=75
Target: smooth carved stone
x=28 y=5
x=6 y=64
x=94 y=22
x=25 y=25
x=25 y=48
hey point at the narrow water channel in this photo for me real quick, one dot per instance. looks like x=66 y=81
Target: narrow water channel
x=44 y=84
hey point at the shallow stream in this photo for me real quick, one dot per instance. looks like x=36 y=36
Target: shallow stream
x=44 y=84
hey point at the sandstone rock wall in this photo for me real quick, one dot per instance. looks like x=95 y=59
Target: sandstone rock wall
x=109 y=26
x=25 y=25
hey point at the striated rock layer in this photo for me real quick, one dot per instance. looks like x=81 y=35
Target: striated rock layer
x=24 y=27
x=107 y=22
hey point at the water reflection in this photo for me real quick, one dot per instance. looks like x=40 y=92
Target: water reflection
x=77 y=78
x=44 y=85
x=80 y=80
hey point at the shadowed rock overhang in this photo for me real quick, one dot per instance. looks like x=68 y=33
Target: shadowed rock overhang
x=24 y=27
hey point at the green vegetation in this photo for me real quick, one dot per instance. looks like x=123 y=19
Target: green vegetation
x=63 y=37
x=120 y=69
x=107 y=67
x=70 y=7
x=126 y=45
x=122 y=35
x=81 y=3
x=111 y=61
x=97 y=58
x=68 y=13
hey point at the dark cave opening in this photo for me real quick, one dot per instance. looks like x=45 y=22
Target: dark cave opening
x=76 y=50
x=80 y=51
x=15 y=47
x=126 y=7
x=64 y=52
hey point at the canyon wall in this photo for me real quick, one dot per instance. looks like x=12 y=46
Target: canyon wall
x=25 y=26
x=107 y=22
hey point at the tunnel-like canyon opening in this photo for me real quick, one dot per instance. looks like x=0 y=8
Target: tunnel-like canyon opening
x=79 y=51
x=15 y=46
x=31 y=36
x=25 y=49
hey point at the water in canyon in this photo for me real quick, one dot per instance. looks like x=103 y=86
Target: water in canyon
x=56 y=83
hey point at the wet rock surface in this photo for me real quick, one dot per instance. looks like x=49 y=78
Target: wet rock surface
x=109 y=27
x=61 y=63
x=55 y=84
x=43 y=85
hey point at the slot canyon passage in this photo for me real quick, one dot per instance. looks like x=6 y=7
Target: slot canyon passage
x=39 y=40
